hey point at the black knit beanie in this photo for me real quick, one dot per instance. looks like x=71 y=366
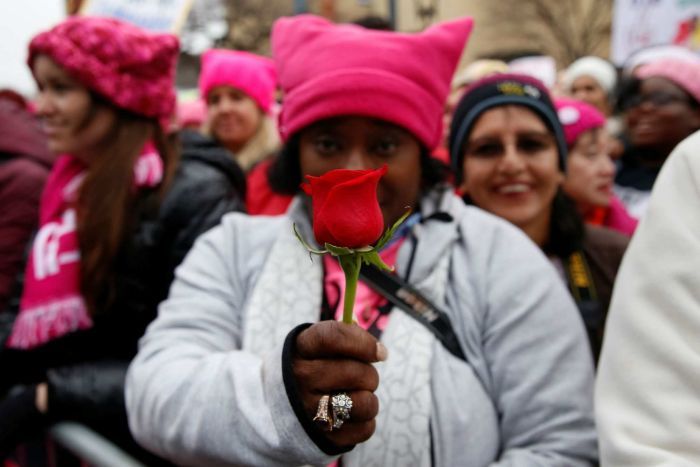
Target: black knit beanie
x=495 y=91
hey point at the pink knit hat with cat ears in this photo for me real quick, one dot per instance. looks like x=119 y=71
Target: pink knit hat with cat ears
x=253 y=74
x=130 y=67
x=328 y=70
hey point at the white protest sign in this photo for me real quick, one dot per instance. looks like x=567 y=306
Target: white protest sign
x=19 y=22
x=154 y=15
x=638 y=24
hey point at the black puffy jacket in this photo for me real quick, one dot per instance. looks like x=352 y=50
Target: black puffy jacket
x=85 y=370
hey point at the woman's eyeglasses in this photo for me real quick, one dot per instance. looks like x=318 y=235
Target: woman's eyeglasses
x=657 y=99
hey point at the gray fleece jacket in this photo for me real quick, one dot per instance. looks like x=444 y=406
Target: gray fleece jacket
x=201 y=391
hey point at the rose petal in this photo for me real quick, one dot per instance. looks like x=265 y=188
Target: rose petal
x=350 y=213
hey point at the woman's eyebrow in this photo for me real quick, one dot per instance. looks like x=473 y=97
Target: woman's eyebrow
x=483 y=139
x=536 y=133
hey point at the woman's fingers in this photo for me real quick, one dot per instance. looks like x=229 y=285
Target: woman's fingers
x=325 y=376
x=332 y=339
x=330 y=358
x=365 y=406
x=352 y=433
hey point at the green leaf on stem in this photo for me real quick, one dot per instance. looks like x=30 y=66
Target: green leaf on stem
x=338 y=250
x=306 y=245
x=390 y=232
x=372 y=257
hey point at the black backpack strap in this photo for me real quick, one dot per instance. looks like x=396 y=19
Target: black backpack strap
x=403 y=295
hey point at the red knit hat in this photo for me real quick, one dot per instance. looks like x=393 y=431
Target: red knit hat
x=252 y=74
x=131 y=68
x=577 y=118
x=328 y=70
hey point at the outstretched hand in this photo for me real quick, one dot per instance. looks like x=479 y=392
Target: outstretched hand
x=333 y=357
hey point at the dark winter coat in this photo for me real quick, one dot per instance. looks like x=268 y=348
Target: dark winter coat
x=603 y=249
x=85 y=370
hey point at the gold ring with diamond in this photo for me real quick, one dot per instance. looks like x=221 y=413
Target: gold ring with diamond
x=341 y=405
x=322 y=414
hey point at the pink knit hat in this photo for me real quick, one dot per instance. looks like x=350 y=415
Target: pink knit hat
x=682 y=73
x=131 y=68
x=191 y=113
x=328 y=70
x=252 y=74
x=577 y=117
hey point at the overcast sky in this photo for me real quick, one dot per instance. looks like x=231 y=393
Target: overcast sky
x=19 y=22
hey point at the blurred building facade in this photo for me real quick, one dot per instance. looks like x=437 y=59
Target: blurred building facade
x=564 y=29
x=505 y=29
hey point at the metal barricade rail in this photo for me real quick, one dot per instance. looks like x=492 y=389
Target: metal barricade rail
x=91 y=447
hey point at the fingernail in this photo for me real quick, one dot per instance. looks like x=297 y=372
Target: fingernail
x=382 y=352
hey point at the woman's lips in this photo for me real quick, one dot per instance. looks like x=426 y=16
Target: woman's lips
x=605 y=188
x=51 y=131
x=645 y=126
x=513 y=189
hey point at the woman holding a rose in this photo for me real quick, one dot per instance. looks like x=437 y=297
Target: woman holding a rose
x=229 y=374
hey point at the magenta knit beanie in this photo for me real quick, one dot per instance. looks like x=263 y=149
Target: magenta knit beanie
x=577 y=118
x=252 y=74
x=131 y=68
x=685 y=74
x=328 y=70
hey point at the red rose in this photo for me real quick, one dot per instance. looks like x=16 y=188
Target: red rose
x=345 y=208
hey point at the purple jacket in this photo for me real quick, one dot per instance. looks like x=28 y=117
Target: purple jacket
x=25 y=163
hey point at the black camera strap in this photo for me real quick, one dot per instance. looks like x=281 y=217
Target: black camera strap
x=580 y=280
x=401 y=294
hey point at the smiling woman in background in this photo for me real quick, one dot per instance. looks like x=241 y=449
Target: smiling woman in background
x=661 y=107
x=509 y=154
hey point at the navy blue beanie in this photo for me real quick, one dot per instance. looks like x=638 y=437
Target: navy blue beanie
x=496 y=91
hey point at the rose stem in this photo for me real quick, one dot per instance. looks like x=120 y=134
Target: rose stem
x=351 y=267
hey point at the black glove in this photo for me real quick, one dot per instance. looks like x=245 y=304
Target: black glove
x=24 y=367
x=20 y=420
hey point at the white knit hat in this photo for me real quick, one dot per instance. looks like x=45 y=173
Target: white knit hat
x=600 y=70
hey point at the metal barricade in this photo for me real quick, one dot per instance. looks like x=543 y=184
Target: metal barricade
x=90 y=447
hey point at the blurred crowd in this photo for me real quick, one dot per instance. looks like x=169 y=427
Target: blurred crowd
x=152 y=287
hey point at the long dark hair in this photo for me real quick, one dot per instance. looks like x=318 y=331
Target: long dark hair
x=285 y=177
x=566 y=227
x=107 y=202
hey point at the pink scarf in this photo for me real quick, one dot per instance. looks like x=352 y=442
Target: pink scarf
x=52 y=305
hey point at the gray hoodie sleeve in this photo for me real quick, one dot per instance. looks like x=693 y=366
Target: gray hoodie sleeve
x=540 y=368
x=192 y=395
